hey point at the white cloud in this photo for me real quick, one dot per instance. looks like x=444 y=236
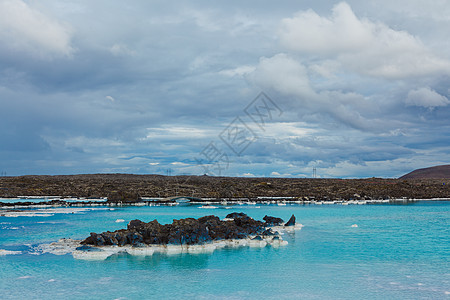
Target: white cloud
x=239 y=71
x=288 y=129
x=25 y=29
x=283 y=73
x=326 y=69
x=311 y=33
x=179 y=132
x=179 y=163
x=110 y=98
x=288 y=76
x=370 y=48
x=284 y=175
x=426 y=97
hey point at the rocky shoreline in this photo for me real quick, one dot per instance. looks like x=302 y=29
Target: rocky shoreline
x=122 y=188
x=18 y=206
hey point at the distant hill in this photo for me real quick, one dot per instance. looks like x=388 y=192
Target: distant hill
x=438 y=172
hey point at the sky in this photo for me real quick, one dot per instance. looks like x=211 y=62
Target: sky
x=351 y=89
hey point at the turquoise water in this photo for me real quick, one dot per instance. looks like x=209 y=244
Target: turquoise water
x=396 y=252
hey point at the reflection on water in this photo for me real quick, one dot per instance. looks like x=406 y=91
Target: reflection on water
x=184 y=261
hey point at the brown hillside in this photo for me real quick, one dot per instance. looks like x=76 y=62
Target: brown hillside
x=438 y=172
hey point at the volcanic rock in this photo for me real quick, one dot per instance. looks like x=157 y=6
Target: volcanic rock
x=94 y=186
x=187 y=231
x=124 y=197
x=272 y=221
x=291 y=221
x=235 y=215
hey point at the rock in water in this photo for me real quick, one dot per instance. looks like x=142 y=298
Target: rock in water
x=291 y=221
x=272 y=221
x=187 y=231
x=235 y=215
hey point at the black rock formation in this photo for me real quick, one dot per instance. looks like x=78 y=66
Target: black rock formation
x=235 y=215
x=188 y=231
x=291 y=221
x=272 y=221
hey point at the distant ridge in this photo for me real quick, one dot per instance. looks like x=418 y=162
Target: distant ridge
x=438 y=172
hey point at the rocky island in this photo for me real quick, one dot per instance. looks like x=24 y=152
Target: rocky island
x=189 y=231
x=191 y=235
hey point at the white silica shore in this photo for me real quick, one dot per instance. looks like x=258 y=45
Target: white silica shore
x=67 y=246
x=48 y=212
x=4 y=252
x=61 y=247
x=208 y=207
x=103 y=252
x=282 y=229
x=205 y=204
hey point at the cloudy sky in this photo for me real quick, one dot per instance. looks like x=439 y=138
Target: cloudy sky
x=353 y=89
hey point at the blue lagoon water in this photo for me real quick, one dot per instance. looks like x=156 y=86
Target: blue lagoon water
x=395 y=252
